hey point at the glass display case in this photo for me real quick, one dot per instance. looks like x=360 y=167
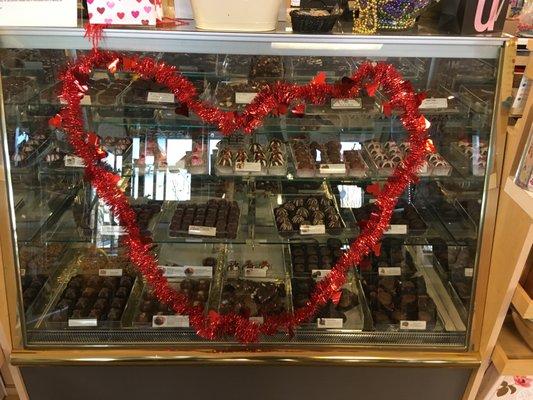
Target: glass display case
x=249 y=223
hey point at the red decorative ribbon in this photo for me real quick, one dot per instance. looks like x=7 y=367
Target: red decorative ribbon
x=273 y=99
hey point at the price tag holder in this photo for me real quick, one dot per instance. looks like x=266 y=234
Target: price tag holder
x=329 y=323
x=247 y=166
x=244 y=98
x=433 y=103
x=186 y=271
x=396 y=230
x=202 y=230
x=112 y=230
x=346 y=104
x=255 y=272
x=110 y=272
x=82 y=323
x=74 y=161
x=312 y=229
x=257 y=320
x=160 y=97
x=413 y=325
x=332 y=169
x=319 y=274
x=389 y=271
x=170 y=321
x=469 y=272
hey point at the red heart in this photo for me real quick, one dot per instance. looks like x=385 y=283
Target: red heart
x=100 y=9
x=214 y=325
x=120 y=15
x=90 y=16
x=135 y=13
x=152 y=1
x=144 y=21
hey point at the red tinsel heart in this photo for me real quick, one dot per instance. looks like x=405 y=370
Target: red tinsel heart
x=270 y=101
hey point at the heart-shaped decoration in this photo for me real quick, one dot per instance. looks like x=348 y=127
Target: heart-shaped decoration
x=90 y=1
x=145 y=21
x=110 y=4
x=120 y=15
x=108 y=21
x=147 y=9
x=270 y=100
x=135 y=13
x=100 y=9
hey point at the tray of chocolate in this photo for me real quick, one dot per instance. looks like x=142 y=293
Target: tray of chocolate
x=396 y=295
x=32 y=150
x=313 y=258
x=470 y=156
x=454 y=217
x=306 y=215
x=146 y=213
x=18 y=89
x=255 y=299
x=406 y=220
x=255 y=67
x=237 y=94
x=252 y=158
x=191 y=64
x=218 y=218
x=243 y=261
x=307 y=67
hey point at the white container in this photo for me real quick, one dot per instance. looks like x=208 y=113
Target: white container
x=236 y=15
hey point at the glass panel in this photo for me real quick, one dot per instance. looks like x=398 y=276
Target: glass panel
x=252 y=194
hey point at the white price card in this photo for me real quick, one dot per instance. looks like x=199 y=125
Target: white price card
x=396 y=230
x=432 y=103
x=202 y=230
x=54 y=13
x=255 y=272
x=346 y=104
x=23 y=272
x=427 y=249
x=413 y=325
x=469 y=272
x=295 y=3
x=82 y=322
x=332 y=169
x=112 y=230
x=329 y=323
x=319 y=274
x=248 y=166
x=244 y=98
x=389 y=271
x=110 y=272
x=351 y=196
x=74 y=161
x=85 y=100
x=170 y=321
x=312 y=229
x=160 y=97
x=186 y=271
x=257 y=320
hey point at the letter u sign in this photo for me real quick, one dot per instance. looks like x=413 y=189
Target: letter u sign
x=495 y=11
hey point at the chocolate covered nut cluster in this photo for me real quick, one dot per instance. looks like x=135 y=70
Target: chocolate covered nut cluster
x=253 y=298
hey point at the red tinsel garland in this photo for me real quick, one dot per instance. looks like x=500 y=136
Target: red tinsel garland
x=275 y=99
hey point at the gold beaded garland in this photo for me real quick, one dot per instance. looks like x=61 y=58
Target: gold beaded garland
x=368 y=22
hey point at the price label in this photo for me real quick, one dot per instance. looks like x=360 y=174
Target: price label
x=84 y=101
x=427 y=249
x=329 y=323
x=319 y=274
x=295 y=3
x=110 y=272
x=312 y=229
x=247 y=166
x=346 y=104
x=112 y=230
x=100 y=75
x=434 y=103
x=255 y=272
x=396 y=230
x=159 y=97
x=257 y=320
x=332 y=168
x=187 y=271
x=202 y=230
x=170 y=321
x=469 y=272
x=85 y=322
x=244 y=98
x=33 y=65
x=74 y=161
x=413 y=325
x=23 y=272
x=389 y=271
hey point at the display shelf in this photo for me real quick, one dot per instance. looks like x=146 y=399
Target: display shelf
x=523 y=303
x=512 y=356
x=520 y=196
